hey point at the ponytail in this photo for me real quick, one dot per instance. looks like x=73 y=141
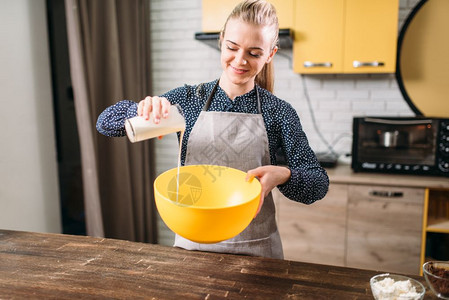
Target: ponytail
x=265 y=78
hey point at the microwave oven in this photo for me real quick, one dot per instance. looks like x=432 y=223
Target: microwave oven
x=415 y=145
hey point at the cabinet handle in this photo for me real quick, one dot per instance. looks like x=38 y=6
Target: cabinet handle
x=309 y=64
x=359 y=64
x=386 y=194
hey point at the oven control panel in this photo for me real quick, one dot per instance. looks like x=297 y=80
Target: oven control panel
x=443 y=147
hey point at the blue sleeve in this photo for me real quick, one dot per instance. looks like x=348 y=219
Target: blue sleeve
x=309 y=181
x=111 y=122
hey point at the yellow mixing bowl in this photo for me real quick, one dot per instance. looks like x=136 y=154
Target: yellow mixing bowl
x=212 y=203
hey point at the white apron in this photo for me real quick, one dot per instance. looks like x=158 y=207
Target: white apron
x=240 y=141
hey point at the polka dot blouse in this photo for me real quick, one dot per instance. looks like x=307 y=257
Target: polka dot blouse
x=309 y=181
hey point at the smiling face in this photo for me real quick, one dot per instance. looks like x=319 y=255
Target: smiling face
x=245 y=49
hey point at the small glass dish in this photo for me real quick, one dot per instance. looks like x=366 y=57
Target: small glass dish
x=436 y=274
x=391 y=286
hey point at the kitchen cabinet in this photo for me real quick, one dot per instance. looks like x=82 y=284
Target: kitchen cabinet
x=345 y=36
x=435 y=239
x=367 y=220
x=437 y=211
x=384 y=228
x=215 y=13
x=314 y=233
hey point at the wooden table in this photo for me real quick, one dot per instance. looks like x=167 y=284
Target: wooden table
x=54 y=266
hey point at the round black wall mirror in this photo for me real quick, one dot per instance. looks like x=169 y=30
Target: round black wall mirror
x=422 y=69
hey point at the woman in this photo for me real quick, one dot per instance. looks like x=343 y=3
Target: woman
x=235 y=121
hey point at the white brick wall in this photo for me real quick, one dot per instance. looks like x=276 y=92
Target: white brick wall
x=178 y=58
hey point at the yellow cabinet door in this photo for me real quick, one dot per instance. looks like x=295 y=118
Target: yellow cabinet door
x=318 y=36
x=285 y=12
x=216 y=12
x=371 y=29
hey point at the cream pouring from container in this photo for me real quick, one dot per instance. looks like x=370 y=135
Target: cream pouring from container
x=139 y=129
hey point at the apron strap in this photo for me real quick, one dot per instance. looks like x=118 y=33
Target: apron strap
x=259 y=109
x=212 y=93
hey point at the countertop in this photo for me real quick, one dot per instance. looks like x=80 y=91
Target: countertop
x=55 y=266
x=343 y=173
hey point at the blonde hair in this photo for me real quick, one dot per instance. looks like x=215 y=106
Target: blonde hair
x=259 y=12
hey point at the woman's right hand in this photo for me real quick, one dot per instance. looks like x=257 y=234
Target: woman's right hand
x=157 y=106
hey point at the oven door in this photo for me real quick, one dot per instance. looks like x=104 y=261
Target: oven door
x=394 y=143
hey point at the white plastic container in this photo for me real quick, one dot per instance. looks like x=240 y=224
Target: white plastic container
x=139 y=129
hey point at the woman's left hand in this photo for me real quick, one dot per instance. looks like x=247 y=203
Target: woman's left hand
x=269 y=177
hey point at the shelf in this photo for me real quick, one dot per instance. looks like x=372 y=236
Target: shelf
x=438 y=225
x=211 y=38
